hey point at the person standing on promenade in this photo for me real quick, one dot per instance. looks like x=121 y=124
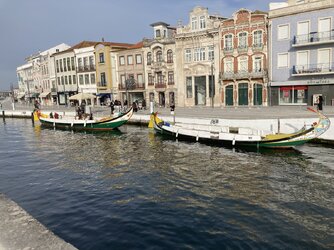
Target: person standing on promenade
x=320 y=102
x=112 y=108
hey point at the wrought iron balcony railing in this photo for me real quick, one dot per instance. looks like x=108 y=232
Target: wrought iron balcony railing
x=228 y=50
x=242 y=74
x=314 y=38
x=86 y=68
x=313 y=69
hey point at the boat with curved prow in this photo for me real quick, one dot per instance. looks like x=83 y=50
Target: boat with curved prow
x=241 y=137
x=102 y=124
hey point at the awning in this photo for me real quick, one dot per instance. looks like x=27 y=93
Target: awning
x=20 y=96
x=101 y=95
x=44 y=94
x=34 y=95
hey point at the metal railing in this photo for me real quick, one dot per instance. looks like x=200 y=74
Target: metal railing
x=228 y=50
x=244 y=74
x=86 y=68
x=319 y=68
x=314 y=37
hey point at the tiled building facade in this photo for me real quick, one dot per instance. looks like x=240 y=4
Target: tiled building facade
x=244 y=56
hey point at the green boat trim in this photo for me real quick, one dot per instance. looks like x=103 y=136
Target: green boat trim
x=103 y=124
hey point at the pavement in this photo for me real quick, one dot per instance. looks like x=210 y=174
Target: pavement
x=19 y=230
x=251 y=113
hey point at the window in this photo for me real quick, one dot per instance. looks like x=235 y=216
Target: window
x=160 y=78
x=211 y=54
x=64 y=61
x=66 y=81
x=228 y=42
x=303 y=32
x=68 y=64
x=61 y=65
x=69 y=79
x=86 y=78
x=103 y=79
x=283 y=60
x=58 y=80
x=202 y=54
x=243 y=64
x=257 y=38
x=157 y=33
x=121 y=60
x=228 y=65
x=130 y=60
x=92 y=78
x=91 y=61
x=79 y=62
x=170 y=56
x=159 y=56
x=194 y=23
x=189 y=87
x=257 y=64
x=101 y=55
x=170 y=77
x=81 y=80
x=202 y=24
x=72 y=62
x=62 y=80
x=303 y=60
x=85 y=63
x=57 y=65
x=324 y=28
x=140 y=79
x=283 y=32
x=149 y=58
x=197 y=54
x=188 y=55
x=123 y=81
x=324 y=59
x=74 y=79
x=242 y=37
x=150 y=79
x=138 y=59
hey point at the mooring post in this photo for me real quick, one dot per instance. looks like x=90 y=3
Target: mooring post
x=279 y=125
x=3 y=116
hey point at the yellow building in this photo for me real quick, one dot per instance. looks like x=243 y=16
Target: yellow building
x=106 y=81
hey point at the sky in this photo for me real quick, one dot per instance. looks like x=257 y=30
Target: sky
x=29 y=26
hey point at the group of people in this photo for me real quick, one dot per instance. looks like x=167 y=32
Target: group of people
x=116 y=106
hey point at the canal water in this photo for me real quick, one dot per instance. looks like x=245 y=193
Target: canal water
x=132 y=189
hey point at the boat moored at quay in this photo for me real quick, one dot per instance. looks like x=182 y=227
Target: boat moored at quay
x=98 y=124
x=240 y=136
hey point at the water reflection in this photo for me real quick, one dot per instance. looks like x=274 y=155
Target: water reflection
x=132 y=184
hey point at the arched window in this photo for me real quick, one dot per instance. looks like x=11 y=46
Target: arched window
x=170 y=56
x=159 y=56
x=228 y=42
x=149 y=58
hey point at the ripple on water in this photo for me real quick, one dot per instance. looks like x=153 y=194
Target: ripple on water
x=133 y=189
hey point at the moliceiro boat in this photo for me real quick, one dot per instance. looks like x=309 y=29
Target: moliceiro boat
x=102 y=124
x=241 y=137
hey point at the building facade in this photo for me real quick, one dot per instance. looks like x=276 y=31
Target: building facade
x=302 y=52
x=106 y=90
x=197 y=60
x=131 y=74
x=25 y=82
x=159 y=57
x=244 y=70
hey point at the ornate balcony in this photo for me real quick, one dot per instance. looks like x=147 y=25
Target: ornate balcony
x=313 y=38
x=313 y=69
x=86 y=68
x=160 y=85
x=228 y=50
x=136 y=86
x=258 y=47
x=242 y=48
x=244 y=74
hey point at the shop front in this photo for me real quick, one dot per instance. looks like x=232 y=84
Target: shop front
x=293 y=95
